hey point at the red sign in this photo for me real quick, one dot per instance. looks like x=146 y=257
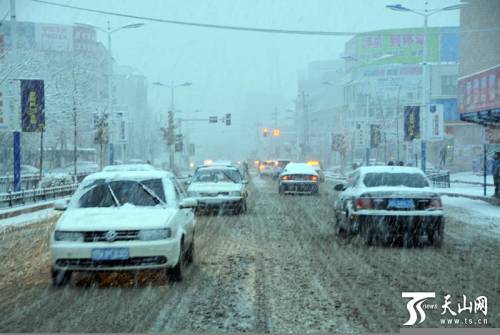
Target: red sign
x=479 y=91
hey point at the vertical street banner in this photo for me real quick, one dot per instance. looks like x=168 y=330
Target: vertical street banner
x=32 y=105
x=17 y=161
x=411 y=122
x=435 y=123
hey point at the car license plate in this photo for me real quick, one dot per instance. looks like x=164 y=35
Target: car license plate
x=108 y=254
x=401 y=203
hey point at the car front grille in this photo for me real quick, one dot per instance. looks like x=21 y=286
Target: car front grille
x=214 y=194
x=89 y=263
x=100 y=236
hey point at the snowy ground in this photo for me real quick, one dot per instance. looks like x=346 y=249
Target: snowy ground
x=470 y=177
x=279 y=268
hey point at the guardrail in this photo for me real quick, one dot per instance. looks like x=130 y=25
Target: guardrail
x=439 y=178
x=22 y=197
x=29 y=181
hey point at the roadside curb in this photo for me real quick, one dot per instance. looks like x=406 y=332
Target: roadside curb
x=491 y=200
x=25 y=210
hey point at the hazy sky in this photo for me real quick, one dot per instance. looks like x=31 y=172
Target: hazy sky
x=224 y=65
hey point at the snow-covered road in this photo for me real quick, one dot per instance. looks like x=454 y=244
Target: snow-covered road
x=279 y=268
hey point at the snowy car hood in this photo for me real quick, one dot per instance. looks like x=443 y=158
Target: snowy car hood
x=214 y=187
x=113 y=218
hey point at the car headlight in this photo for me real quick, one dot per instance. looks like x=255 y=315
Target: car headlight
x=70 y=236
x=235 y=193
x=154 y=234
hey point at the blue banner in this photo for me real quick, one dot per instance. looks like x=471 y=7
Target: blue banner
x=32 y=105
x=17 y=161
x=412 y=123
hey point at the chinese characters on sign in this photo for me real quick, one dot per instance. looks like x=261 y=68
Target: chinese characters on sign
x=32 y=105
x=412 y=122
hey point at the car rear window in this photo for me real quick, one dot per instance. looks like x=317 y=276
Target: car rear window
x=395 y=179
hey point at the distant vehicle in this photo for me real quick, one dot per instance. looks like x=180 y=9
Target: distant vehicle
x=298 y=178
x=124 y=220
x=266 y=168
x=219 y=187
x=390 y=204
x=318 y=168
x=279 y=166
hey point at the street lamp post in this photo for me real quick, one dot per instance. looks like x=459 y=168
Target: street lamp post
x=170 y=127
x=425 y=13
x=109 y=31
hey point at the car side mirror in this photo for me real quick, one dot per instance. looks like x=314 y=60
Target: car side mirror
x=188 y=203
x=60 y=205
x=339 y=187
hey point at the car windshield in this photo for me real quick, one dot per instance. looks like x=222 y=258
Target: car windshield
x=217 y=176
x=121 y=192
x=395 y=179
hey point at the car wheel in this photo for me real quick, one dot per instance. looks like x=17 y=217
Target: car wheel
x=436 y=238
x=190 y=253
x=339 y=230
x=367 y=234
x=176 y=273
x=60 y=277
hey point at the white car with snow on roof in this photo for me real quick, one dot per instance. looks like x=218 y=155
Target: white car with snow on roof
x=124 y=220
x=298 y=178
x=219 y=187
x=390 y=204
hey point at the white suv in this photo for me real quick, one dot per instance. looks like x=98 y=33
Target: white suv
x=124 y=220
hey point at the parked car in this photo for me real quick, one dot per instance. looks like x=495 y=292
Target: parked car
x=390 y=204
x=124 y=220
x=216 y=187
x=298 y=178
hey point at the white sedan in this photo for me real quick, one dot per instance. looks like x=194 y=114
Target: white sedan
x=390 y=204
x=298 y=178
x=124 y=220
x=219 y=187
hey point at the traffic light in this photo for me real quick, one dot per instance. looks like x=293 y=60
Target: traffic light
x=228 y=119
x=265 y=132
x=212 y=119
x=375 y=136
x=178 y=143
x=276 y=132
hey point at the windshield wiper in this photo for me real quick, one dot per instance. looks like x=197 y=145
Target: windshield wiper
x=152 y=194
x=115 y=199
x=229 y=177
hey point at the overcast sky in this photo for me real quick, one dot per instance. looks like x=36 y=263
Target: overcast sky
x=225 y=66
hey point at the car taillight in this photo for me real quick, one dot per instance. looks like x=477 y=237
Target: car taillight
x=435 y=203
x=285 y=178
x=314 y=178
x=364 y=203
x=261 y=167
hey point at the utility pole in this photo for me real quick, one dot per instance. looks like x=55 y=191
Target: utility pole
x=305 y=115
x=75 y=129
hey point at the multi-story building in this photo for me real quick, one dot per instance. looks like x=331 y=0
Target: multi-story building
x=74 y=67
x=384 y=74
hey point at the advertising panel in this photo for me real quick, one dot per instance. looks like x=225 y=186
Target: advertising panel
x=54 y=37
x=32 y=105
x=411 y=123
x=435 y=123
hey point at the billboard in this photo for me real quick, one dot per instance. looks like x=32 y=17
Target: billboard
x=411 y=122
x=435 y=123
x=54 y=37
x=479 y=91
x=404 y=45
x=32 y=105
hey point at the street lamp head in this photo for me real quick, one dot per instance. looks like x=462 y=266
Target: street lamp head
x=133 y=25
x=455 y=7
x=398 y=7
x=157 y=83
x=187 y=83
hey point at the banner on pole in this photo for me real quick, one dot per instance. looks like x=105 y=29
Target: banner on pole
x=32 y=105
x=435 y=123
x=412 y=122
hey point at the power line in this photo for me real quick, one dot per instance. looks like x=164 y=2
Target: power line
x=202 y=25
